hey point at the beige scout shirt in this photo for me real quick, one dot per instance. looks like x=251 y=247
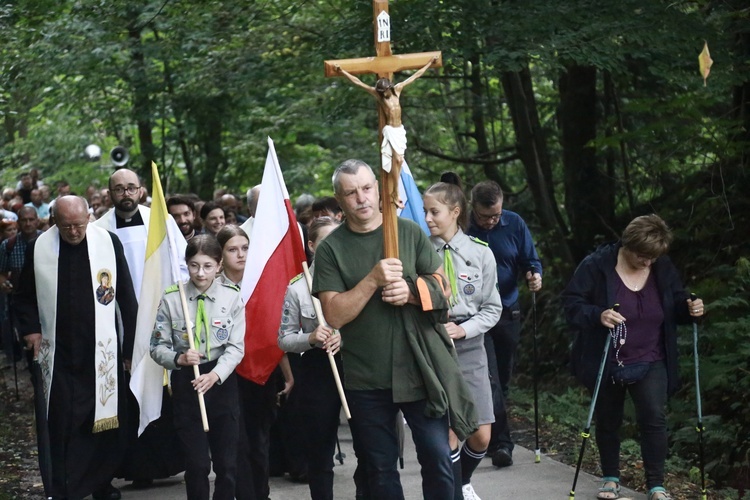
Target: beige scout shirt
x=479 y=306
x=225 y=340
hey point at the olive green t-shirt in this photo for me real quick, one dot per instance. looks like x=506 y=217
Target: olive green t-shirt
x=342 y=260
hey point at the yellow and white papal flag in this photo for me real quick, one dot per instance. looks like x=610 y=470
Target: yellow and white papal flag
x=160 y=271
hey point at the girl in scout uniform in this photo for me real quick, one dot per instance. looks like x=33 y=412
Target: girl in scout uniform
x=301 y=333
x=218 y=318
x=258 y=404
x=475 y=307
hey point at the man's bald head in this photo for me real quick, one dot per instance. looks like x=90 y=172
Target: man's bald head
x=72 y=217
x=229 y=202
x=70 y=204
x=123 y=176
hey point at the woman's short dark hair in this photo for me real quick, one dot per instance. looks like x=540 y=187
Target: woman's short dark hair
x=209 y=207
x=647 y=235
x=228 y=232
x=317 y=225
x=486 y=194
x=205 y=244
x=451 y=195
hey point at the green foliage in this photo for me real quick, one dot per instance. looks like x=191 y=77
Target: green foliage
x=198 y=87
x=724 y=354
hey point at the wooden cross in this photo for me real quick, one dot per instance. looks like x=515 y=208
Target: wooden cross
x=384 y=64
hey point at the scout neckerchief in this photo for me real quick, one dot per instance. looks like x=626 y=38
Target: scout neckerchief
x=101 y=259
x=201 y=323
x=450 y=272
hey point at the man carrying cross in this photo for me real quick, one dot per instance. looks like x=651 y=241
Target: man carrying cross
x=395 y=357
x=381 y=284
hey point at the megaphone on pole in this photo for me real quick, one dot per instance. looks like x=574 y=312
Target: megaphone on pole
x=119 y=156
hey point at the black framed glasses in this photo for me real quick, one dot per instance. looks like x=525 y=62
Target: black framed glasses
x=488 y=217
x=121 y=190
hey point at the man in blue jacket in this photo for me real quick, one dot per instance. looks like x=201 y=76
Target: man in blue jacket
x=511 y=243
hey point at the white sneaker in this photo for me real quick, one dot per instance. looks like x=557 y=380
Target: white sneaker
x=469 y=493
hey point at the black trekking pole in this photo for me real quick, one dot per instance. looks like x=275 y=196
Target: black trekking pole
x=339 y=456
x=586 y=432
x=16 y=342
x=699 y=428
x=537 y=450
x=15 y=375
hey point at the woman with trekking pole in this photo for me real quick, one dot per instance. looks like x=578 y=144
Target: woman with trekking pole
x=635 y=273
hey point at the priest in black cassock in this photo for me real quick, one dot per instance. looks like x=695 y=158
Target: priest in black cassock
x=76 y=335
x=154 y=450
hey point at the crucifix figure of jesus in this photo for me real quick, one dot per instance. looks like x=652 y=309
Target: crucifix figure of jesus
x=393 y=147
x=393 y=136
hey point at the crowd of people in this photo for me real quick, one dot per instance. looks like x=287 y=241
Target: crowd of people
x=430 y=337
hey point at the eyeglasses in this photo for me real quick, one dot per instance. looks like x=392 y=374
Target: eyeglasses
x=120 y=190
x=68 y=227
x=487 y=217
x=207 y=268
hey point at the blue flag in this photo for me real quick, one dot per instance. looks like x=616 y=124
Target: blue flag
x=412 y=198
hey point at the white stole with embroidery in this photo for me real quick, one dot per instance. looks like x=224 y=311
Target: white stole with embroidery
x=101 y=258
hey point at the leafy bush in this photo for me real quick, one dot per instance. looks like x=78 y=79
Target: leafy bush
x=724 y=355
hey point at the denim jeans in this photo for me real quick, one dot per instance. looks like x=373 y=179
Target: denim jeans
x=649 y=398
x=374 y=429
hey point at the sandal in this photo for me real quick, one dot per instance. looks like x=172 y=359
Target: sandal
x=609 y=492
x=658 y=493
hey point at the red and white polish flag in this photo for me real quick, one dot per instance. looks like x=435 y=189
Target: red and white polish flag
x=275 y=256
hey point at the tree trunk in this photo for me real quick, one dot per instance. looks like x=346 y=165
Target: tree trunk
x=10 y=129
x=589 y=193
x=141 y=102
x=741 y=103
x=479 y=128
x=532 y=148
x=612 y=107
x=210 y=128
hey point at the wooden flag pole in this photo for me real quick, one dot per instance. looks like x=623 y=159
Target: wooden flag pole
x=196 y=371
x=321 y=321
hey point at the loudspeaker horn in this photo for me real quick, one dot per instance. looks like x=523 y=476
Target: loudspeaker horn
x=119 y=156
